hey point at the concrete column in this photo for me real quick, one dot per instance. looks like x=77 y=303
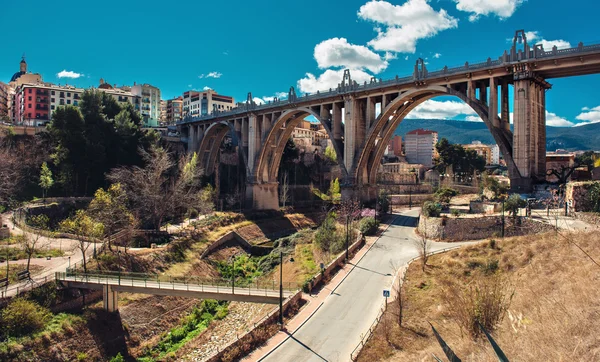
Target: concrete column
x=359 y=111
x=370 y=116
x=237 y=126
x=266 y=126
x=262 y=196
x=471 y=89
x=349 y=132
x=337 y=120
x=110 y=298
x=504 y=105
x=244 y=122
x=253 y=138
x=483 y=93
x=493 y=104
x=199 y=136
x=541 y=169
x=324 y=112
x=522 y=120
x=191 y=138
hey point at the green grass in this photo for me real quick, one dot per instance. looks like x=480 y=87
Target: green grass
x=191 y=327
x=17 y=253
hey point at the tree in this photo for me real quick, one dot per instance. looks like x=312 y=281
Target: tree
x=284 y=192
x=46 y=180
x=327 y=237
x=432 y=209
x=463 y=161
x=110 y=209
x=445 y=194
x=32 y=242
x=335 y=192
x=492 y=185
x=423 y=246
x=330 y=154
x=163 y=189
x=586 y=159
x=85 y=229
x=22 y=317
x=513 y=204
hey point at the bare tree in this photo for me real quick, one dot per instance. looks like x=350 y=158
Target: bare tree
x=32 y=242
x=110 y=209
x=11 y=174
x=163 y=189
x=397 y=288
x=284 y=195
x=423 y=245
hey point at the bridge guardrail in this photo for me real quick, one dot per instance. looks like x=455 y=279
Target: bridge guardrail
x=128 y=278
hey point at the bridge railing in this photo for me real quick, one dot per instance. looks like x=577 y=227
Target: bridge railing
x=169 y=281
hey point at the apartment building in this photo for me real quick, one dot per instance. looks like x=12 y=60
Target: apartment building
x=5 y=95
x=196 y=104
x=482 y=150
x=174 y=111
x=419 y=146
x=149 y=97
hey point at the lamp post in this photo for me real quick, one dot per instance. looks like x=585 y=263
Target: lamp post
x=410 y=198
x=233 y=276
x=119 y=264
x=503 y=218
x=281 y=288
x=347 y=217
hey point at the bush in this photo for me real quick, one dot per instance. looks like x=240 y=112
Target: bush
x=22 y=317
x=368 y=225
x=444 y=194
x=118 y=358
x=456 y=213
x=327 y=238
x=432 y=209
x=484 y=301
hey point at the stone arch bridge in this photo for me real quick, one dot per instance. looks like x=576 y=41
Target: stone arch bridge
x=261 y=131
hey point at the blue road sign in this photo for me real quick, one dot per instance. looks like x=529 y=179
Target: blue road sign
x=386 y=293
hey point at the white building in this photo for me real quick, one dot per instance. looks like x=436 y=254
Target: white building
x=196 y=104
x=419 y=146
x=149 y=103
x=495 y=154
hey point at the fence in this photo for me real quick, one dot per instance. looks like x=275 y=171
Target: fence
x=20 y=289
x=369 y=333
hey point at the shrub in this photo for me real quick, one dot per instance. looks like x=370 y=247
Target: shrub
x=444 y=194
x=368 y=225
x=485 y=300
x=514 y=203
x=327 y=238
x=456 y=213
x=22 y=317
x=118 y=358
x=82 y=356
x=432 y=209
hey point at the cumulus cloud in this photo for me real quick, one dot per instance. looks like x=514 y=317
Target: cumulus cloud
x=534 y=37
x=210 y=75
x=432 y=109
x=556 y=121
x=437 y=55
x=329 y=79
x=473 y=119
x=399 y=27
x=501 y=8
x=589 y=116
x=207 y=88
x=266 y=99
x=68 y=74
x=337 y=52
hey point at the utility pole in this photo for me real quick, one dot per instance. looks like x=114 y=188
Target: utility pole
x=503 y=218
x=281 y=288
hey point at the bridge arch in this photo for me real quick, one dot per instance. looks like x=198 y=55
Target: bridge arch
x=211 y=143
x=370 y=153
x=266 y=166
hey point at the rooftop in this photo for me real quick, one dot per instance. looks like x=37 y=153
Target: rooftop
x=421 y=131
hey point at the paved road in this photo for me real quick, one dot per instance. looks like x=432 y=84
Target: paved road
x=336 y=328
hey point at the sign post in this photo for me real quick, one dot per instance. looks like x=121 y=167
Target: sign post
x=386 y=294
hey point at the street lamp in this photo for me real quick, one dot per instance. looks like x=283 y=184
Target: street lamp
x=118 y=264
x=503 y=217
x=410 y=198
x=281 y=288
x=347 y=217
x=233 y=276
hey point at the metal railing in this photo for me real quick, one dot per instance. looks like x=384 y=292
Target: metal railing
x=19 y=289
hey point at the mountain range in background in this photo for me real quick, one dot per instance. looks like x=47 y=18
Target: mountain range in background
x=582 y=138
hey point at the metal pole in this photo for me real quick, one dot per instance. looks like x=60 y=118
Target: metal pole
x=281 y=288
x=233 y=277
x=376 y=202
x=347 y=216
x=410 y=198
x=69 y=262
x=502 y=218
x=119 y=264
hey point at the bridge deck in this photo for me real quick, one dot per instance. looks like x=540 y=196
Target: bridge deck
x=192 y=288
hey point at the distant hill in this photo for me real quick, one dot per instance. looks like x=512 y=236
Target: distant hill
x=570 y=138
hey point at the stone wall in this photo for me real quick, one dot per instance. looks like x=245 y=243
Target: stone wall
x=578 y=195
x=431 y=227
x=478 y=207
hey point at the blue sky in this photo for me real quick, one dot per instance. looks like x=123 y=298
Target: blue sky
x=236 y=47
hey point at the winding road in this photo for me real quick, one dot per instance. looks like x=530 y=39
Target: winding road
x=336 y=328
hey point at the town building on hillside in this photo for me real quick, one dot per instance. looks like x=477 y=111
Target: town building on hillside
x=557 y=161
x=5 y=95
x=395 y=147
x=149 y=103
x=162 y=117
x=495 y=154
x=400 y=173
x=311 y=137
x=22 y=76
x=196 y=104
x=419 y=146
x=482 y=150
x=174 y=110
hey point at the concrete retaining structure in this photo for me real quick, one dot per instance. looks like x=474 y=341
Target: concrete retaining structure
x=238 y=239
x=577 y=194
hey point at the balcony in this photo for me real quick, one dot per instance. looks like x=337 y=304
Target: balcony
x=41 y=108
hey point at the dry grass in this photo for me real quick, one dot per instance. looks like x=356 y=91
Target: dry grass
x=553 y=315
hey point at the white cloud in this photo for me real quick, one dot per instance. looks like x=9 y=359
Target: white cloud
x=534 y=37
x=589 y=116
x=266 y=99
x=501 y=8
x=337 y=52
x=258 y=100
x=281 y=95
x=555 y=121
x=329 y=79
x=473 y=119
x=68 y=74
x=404 y=24
x=189 y=86
x=207 y=88
x=210 y=75
x=406 y=57
x=443 y=110
x=437 y=55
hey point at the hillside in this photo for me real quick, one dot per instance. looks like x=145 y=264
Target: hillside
x=570 y=138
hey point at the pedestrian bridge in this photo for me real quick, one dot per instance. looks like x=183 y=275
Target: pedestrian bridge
x=111 y=283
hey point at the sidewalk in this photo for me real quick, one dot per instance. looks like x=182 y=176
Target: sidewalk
x=315 y=301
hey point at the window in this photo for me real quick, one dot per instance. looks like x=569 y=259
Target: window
x=29 y=90
x=29 y=97
x=62 y=102
x=52 y=92
x=29 y=105
x=75 y=103
x=68 y=94
x=68 y=101
x=52 y=99
x=52 y=107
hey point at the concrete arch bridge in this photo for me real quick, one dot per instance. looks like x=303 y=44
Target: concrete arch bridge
x=261 y=131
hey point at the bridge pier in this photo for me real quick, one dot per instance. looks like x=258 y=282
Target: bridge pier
x=110 y=298
x=262 y=196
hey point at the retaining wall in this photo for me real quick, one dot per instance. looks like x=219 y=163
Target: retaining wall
x=578 y=195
